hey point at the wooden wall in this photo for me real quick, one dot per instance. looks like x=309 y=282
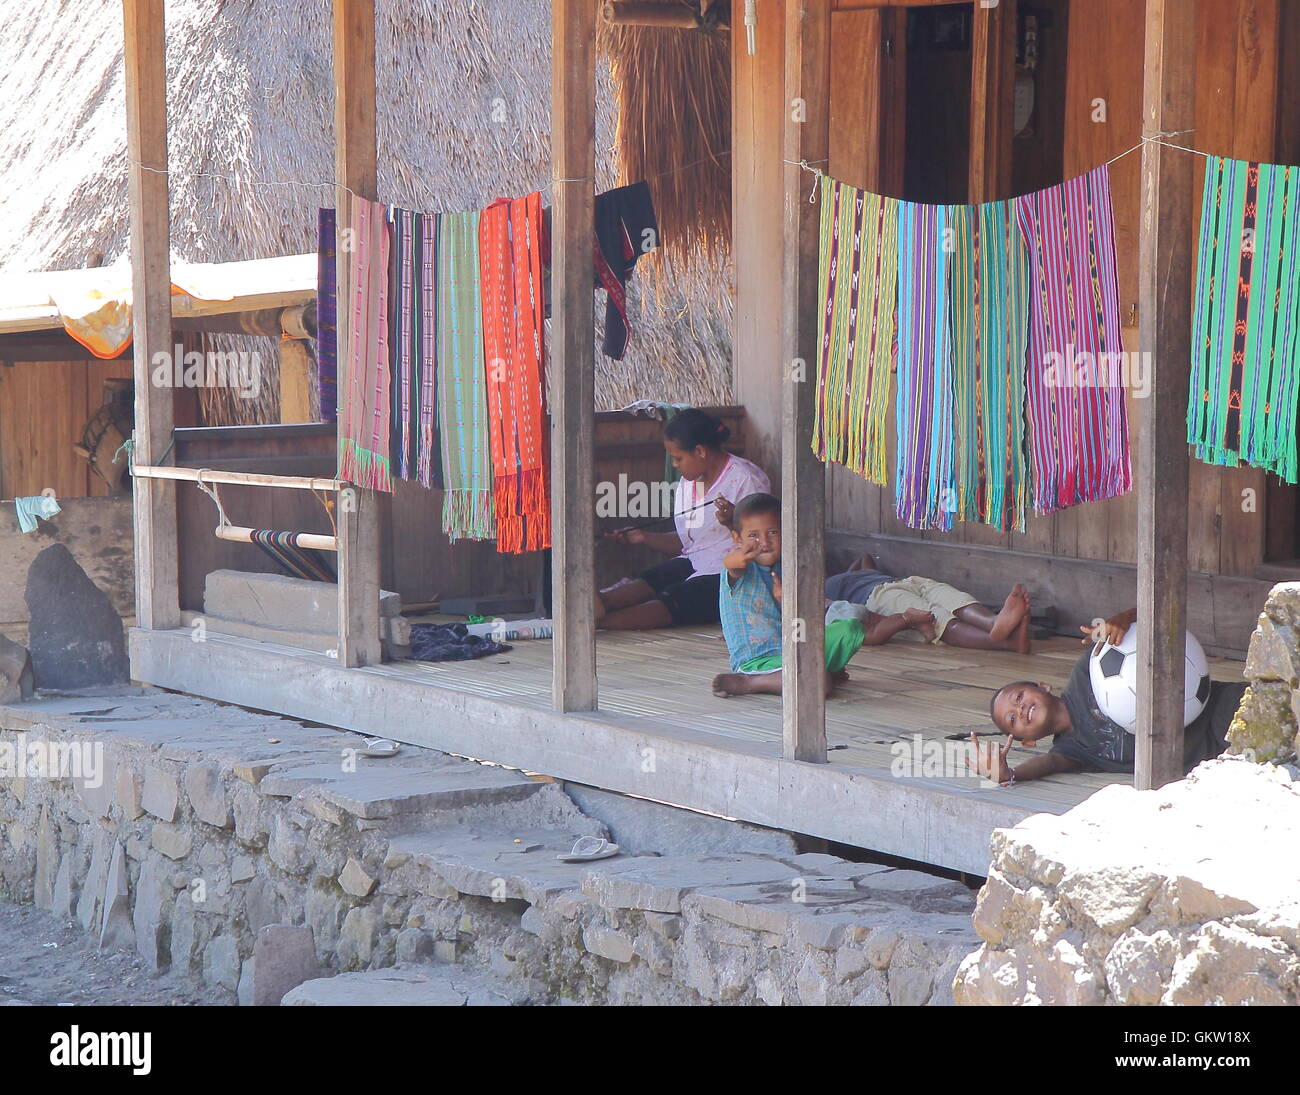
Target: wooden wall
x=1236 y=114
x=44 y=406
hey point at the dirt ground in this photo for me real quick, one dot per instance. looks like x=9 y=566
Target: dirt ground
x=46 y=962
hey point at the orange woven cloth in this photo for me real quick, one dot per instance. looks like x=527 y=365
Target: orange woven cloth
x=510 y=270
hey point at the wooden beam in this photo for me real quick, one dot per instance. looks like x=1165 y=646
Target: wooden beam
x=157 y=602
x=355 y=169
x=992 y=79
x=1165 y=296
x=803 y=477
x=573 y=417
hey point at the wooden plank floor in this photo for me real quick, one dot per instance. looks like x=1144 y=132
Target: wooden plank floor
x=894 y=692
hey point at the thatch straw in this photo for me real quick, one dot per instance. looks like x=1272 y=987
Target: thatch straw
x=673 y=93
x=464 y=90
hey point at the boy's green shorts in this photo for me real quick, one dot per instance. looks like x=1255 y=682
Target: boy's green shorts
x=843 y=639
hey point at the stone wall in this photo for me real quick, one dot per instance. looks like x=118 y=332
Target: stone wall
x=1266 y=726
x=206 y=826
x=1183 y=895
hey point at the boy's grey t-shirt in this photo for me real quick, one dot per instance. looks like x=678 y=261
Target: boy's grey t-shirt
x=855 y=586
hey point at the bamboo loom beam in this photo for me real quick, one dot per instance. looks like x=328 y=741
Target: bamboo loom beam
x=241 y=478
x=240 y=535
x=803 y=478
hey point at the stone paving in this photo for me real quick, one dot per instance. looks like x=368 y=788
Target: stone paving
x=255 y=853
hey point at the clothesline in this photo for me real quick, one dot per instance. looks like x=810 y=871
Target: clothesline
x=1155 y=138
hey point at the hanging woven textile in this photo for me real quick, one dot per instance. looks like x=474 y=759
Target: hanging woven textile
x=412 y=324
x=364 y=421
x=1246 y=327
x=513 y=348
x=858 y=300
x=1078 y=417
x=924 y=486
x=989 y=306
x=326 y=313
x=467 y=512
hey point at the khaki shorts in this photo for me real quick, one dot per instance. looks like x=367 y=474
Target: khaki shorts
x=923 y=593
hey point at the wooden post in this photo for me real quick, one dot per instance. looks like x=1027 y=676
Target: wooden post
x=1165 y=296
x=803 y=478
x=992 y=76
x=573 y=365
x=157 y=604
x=354 y=168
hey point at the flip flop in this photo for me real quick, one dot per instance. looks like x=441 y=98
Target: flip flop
x=587 y=848
x=380 y=747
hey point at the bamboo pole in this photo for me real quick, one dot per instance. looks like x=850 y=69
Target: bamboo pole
x=240 y=535
x=242 y=478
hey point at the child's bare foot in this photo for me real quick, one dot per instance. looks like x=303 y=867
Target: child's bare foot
x=1014 y=609
x=839 y=676
x=746 y=684
x=922 y=622
x=1021 y=636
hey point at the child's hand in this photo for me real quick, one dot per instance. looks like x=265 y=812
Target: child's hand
x=776 y=587
x=742 y=555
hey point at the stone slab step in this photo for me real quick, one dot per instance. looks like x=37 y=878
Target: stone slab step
x=375 y=791
x=411 y=987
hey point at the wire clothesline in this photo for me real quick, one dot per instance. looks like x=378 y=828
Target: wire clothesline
x=1155 y=138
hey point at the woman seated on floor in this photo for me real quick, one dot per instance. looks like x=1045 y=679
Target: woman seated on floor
x=684 y=590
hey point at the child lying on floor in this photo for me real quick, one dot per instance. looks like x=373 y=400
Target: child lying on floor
x=749 y=602
x=958 y=619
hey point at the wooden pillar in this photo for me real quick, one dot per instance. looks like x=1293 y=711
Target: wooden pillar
x=573 y=362
x=157 y=604
x=803 y=478
x=992 y=79
x=1165 y=296
x=358 y=511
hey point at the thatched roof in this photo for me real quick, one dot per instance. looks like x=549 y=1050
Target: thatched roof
x=463 y=118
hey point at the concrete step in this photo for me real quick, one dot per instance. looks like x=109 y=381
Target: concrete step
x=407 y=987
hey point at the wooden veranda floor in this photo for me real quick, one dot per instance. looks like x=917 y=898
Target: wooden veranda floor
x=660 y=732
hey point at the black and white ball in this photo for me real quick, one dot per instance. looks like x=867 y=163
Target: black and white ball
x=1113 y=670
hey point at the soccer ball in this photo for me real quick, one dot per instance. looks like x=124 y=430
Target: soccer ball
x=1113 y=670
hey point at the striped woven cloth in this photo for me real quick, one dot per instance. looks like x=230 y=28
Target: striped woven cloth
x=1078 y=417
x=467 y=510
x=990 y=312
x=514 y=336
x=363 y=438
x=925 y=493
x=412 y=323
x=858 y=300
x=1246 y=326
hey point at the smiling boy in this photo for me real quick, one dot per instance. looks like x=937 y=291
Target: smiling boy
x=1083 y=738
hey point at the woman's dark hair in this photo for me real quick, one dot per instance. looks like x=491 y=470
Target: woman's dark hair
x=692 y=427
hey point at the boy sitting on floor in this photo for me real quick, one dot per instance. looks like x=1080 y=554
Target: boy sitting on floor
x=749 y=602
